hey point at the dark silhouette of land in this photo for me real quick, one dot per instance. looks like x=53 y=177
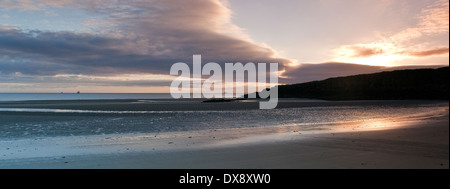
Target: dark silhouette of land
x=389 y=85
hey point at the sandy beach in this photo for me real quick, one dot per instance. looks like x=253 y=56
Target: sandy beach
x=404 y=143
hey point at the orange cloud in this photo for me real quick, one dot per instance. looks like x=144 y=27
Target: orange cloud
x=413 y=41
x=431 y=52
x=359 y=51
x=433 y=19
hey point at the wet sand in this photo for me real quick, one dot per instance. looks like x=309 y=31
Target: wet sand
x=387 y=144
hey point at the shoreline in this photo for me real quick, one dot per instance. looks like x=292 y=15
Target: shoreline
x=420 y=142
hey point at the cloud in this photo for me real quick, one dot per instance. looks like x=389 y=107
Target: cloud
x=359 y=51
x=432 y=20
x=431 y=52
x=414 y=41
x=17 y=4
x=32 y=5
x=74 y=80
x=144 y=37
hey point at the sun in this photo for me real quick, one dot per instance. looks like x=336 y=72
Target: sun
x=373 y=54
x=377 y=60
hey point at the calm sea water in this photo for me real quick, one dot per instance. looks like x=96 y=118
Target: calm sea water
x=31 y=122
x=81 y=96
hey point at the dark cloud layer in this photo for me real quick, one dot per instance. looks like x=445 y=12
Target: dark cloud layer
x=431 y=52
x=365 y=51
x=148 y=37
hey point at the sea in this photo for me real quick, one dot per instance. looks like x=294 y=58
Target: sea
x=29 y=116
x=80 y=96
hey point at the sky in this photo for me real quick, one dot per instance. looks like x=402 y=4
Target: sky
x=129 y=46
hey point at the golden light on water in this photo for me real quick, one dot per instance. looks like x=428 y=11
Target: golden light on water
x=371 y=125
